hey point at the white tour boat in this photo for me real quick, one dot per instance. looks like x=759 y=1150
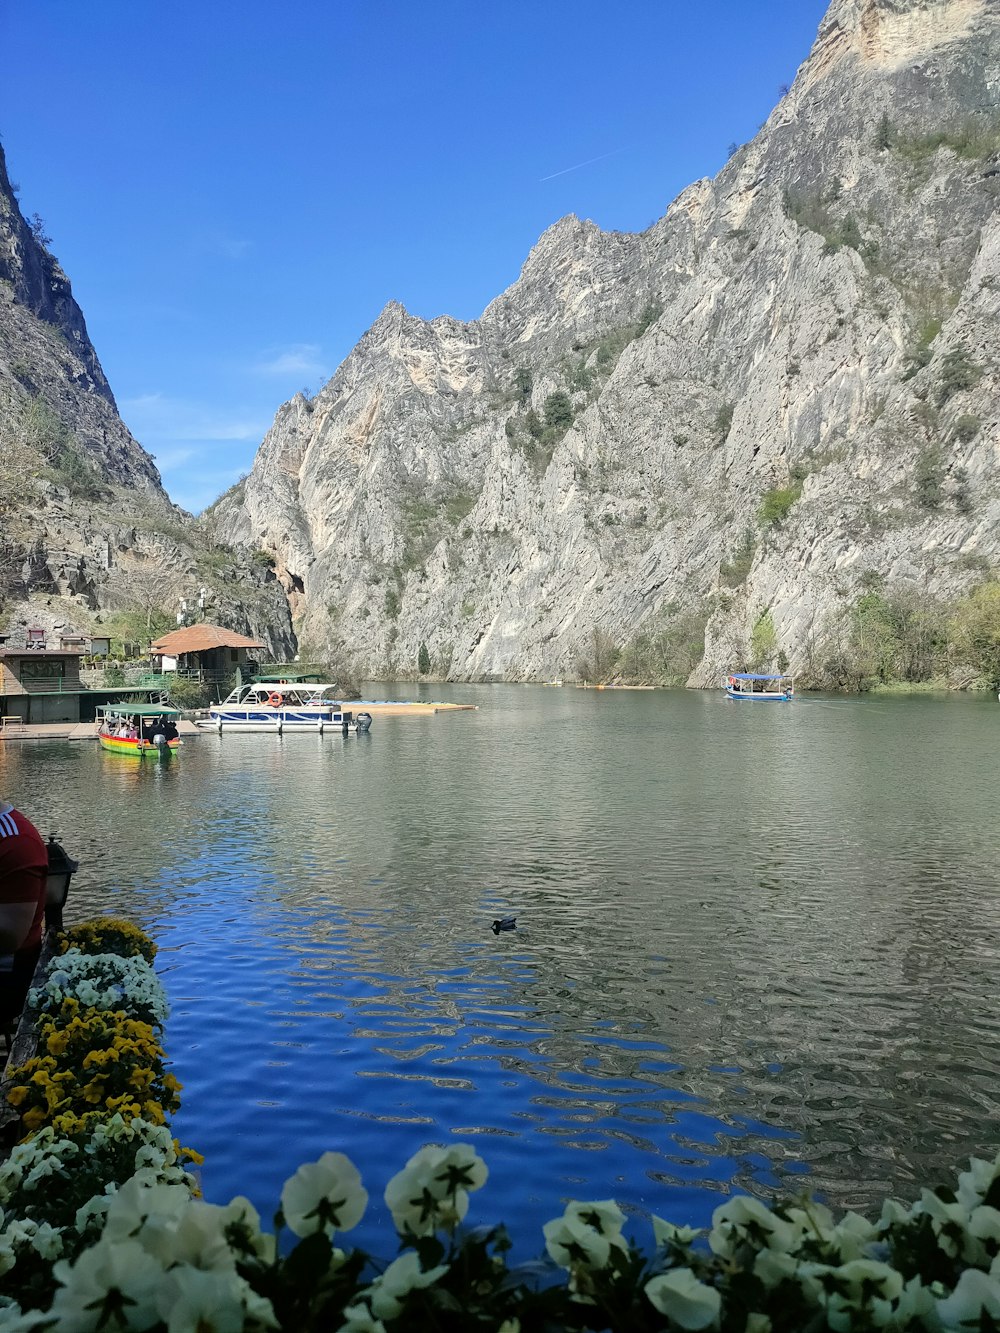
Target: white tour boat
x=278 y=705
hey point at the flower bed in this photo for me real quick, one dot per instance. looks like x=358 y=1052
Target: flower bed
x=102 y=1229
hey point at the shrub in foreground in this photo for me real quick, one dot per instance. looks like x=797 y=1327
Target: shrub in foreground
x=166 y=1261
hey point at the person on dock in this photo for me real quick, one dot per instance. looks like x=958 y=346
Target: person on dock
x=24 y=868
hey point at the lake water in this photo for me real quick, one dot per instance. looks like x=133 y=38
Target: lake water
x=757 y=945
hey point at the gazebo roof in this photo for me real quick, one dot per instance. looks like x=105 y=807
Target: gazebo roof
x=200 y=638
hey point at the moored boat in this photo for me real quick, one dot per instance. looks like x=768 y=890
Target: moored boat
x=143 y=731
x=773 y=688
x=278 y=705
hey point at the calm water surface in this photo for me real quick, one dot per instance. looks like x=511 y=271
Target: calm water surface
x=758 y=946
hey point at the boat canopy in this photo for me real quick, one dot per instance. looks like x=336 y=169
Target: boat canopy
x=141 y=710
x=287 y=678
x=750 y=675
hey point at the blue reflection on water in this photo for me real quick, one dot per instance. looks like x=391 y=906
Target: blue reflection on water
x=691 y=1004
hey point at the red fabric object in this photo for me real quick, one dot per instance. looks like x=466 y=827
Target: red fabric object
x=24 y=868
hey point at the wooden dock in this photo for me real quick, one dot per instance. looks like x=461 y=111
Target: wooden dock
x=87 y=731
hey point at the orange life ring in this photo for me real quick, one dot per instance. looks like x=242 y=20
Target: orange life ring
x=275 y=699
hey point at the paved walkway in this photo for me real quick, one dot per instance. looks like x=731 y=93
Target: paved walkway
x=66 y=731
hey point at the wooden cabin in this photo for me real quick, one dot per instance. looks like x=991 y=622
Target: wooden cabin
x=40 y=684
x=206 y=652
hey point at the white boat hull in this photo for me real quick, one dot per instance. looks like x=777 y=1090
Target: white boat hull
x=271 y=719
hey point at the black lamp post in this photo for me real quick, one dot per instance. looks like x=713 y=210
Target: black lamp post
x=61 y=870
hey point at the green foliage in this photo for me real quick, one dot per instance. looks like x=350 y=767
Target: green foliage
x=524 y=382
x=888 y=636
x=972 y=140
x=458 y=505
x=426 y=518
x=811 y=211
x=667 y=652
x=958 y=373
x=77 y=473
x=265 y=558
x=596 y=657
x=763 y=642
x=558 y=411
x=131 y=630
x=921 y=352
x=723 y=421
x=423 y=660
x=966 y=428
x=392 y=603
x=188 y=693
x=884 y=134
x=776 y=504
x=734 y=571
x=928 y=476
x=975 y=632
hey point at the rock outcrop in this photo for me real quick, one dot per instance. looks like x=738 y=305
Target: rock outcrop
x=85 y=524
x=786 y=386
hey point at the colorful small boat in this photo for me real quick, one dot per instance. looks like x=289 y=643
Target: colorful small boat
x=763 y=688
x=144 y=731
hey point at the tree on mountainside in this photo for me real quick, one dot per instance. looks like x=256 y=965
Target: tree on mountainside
x=595 y=660
x=423 y=660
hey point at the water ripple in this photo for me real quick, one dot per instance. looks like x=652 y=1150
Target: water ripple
x=753 y=946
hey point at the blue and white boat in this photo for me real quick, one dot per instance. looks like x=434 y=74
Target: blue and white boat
x=763 y=688
x=275 y=705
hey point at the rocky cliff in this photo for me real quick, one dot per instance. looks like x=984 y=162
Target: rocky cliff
x=85 y=525
x=781 y=393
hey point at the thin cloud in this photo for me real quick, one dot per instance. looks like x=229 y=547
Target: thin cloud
x=154 y=417
x=298 y=359
x=589 y=162
x=225 y=246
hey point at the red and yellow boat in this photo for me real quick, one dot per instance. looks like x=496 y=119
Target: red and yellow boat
x=144 y=731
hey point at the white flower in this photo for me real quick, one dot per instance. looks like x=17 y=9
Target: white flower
x=852 y=1235
x=241 y=1221
x=974 y=1184
x=950 y=1224
x=401 y=1277
x=359 y=1319
x=192 y=1300
x=47 y=1241
x=324 y=1196
x=194 y=1237
x=894 y=1214
x=984 y=1224
x=916 y=1306
x=432 y=1189
x=138 y=1200
x=8 y=1257
x=861 y=1285
x=744 y=1220
x=573 y=1243
x=603 y=1215
x=109 y=1280
x=13 y=1321
x=686 y=1301
x=104 y=981
x=974 y=1294
x=93 y=1212
x=772 y=1267
x=666 y=1233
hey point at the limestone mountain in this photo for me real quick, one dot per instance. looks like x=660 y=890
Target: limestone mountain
x=85 y=524
x=782 y=393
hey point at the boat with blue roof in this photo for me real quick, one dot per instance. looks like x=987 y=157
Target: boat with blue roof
x=760 y=686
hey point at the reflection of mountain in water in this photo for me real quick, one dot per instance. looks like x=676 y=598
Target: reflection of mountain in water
x=748 y=939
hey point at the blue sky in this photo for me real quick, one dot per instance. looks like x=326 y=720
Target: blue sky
x=235 y=189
